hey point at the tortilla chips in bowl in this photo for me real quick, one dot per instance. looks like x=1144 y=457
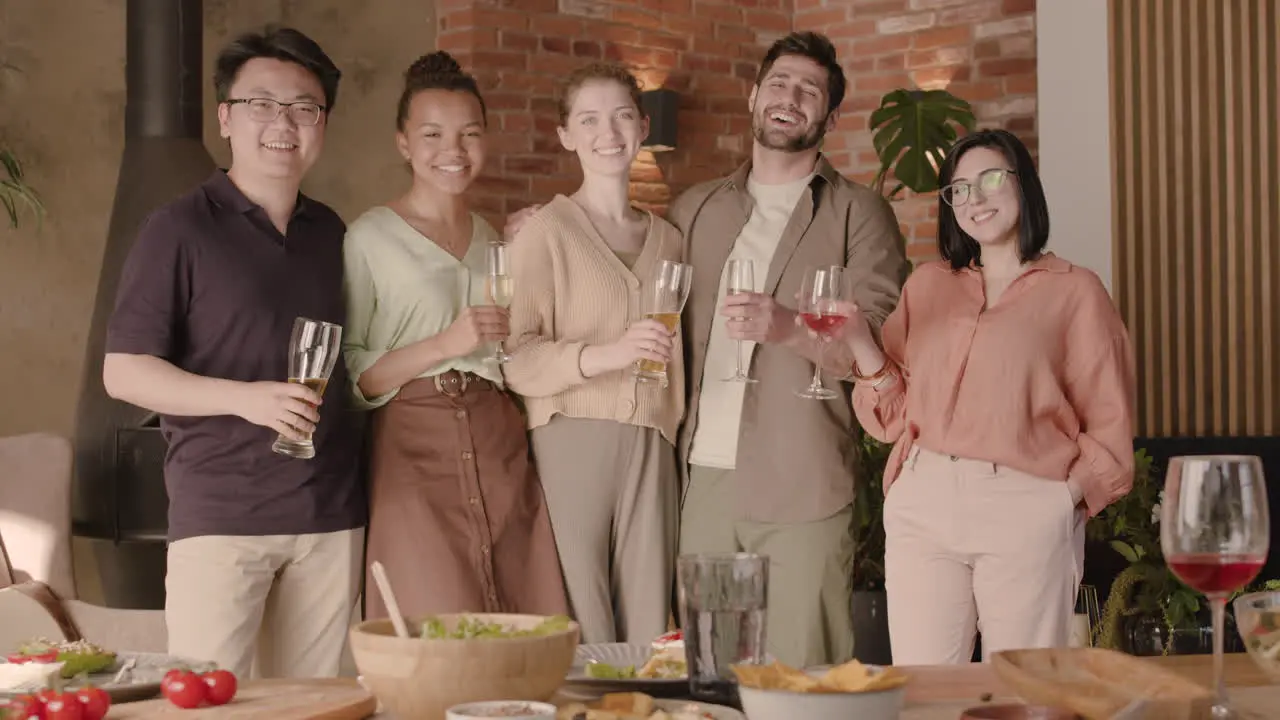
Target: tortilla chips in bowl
x=851 y=690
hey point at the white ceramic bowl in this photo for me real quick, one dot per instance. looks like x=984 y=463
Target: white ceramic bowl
x=790 y=705
x=501 y=709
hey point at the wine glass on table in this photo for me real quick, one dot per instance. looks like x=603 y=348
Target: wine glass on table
x=499 y=287
x=822 y=296
x=1215 y=534
x=314 y=348
x=739 y=278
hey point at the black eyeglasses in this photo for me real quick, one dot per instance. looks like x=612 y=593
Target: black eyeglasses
x=265 y=110
x=989 y=181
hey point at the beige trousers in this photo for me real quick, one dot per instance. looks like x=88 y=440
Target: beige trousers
x=809 y=619
x=972 y=546
x=611 y=491
x=286 y=598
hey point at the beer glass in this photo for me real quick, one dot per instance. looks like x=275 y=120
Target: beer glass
x=664 y=298
x=499 y=287
x=314 y=348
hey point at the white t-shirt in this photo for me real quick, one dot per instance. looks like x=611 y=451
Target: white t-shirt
x=715 y=439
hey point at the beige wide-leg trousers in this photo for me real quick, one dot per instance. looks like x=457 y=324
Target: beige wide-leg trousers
x=611 y=491
x=973 y=546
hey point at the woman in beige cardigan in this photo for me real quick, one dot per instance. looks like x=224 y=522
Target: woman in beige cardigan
x=602 y=439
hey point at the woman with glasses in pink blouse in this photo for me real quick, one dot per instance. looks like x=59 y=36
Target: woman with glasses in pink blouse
x=1005 y=381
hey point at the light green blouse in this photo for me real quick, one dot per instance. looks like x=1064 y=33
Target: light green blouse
x=401 y=288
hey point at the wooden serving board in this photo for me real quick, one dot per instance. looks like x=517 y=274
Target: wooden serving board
x=1253 y=703
x=320 y=699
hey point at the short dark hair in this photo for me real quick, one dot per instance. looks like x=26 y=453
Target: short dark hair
x=954 y=244
x=278 y=43
x=436 y=71
x=597 y=70
x=817 y=48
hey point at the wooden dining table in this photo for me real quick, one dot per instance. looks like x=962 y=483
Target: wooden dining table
x=935 y=692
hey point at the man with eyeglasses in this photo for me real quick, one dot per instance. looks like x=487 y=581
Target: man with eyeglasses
x=264 y=554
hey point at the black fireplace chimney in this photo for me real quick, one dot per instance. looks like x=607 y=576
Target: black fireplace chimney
x=119 y=503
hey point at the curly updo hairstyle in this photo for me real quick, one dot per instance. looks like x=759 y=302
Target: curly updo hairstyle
x=436 y=71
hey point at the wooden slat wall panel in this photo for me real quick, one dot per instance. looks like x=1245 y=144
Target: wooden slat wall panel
x=1196 y=168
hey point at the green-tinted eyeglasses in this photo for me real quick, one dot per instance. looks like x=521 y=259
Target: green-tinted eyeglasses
x=989 y=181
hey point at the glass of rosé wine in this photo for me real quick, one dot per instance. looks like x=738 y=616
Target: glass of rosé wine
x=1215 y=535
x=822 y=299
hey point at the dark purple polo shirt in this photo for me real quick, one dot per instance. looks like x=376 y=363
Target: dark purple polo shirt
x=211 y=286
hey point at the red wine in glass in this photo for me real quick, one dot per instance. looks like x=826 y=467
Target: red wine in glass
x=1211 y=574
x=824 y=325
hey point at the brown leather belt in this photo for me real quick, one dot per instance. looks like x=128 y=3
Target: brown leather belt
x=454 y=383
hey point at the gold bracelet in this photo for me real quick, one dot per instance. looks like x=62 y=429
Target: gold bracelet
x=875 y=380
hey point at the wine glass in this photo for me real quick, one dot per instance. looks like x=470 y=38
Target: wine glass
x=314 y=348
x=740 y=278
x=823 y=290
x=664 y=298
x=499 y=287
x=1215 y=534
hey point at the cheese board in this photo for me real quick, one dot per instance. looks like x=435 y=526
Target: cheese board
x=302 y=699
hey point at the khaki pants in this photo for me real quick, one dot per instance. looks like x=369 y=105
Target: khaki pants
x=286 y=597
x=975 y=546
x=809 y=620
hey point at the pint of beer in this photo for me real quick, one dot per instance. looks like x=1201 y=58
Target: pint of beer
x=314 y=348
x=664 y=297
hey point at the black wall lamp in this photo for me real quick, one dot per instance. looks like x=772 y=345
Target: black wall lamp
x=662 y=106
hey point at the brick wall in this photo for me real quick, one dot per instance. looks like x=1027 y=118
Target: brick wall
x=981 y=50
x=520 y=50
x=708 y=50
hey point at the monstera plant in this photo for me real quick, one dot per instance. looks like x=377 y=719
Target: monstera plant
x=912 y=130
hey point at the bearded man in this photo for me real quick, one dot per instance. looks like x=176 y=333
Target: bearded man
x=768 y=471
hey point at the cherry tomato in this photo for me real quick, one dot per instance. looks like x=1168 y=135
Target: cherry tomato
x=96 y=702
x=185 y=689
x=220 y=686
x=64 y=706
x=44 y=657
x=45 y=695
x=24 y=707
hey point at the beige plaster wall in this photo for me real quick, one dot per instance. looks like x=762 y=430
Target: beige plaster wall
x=62 y=112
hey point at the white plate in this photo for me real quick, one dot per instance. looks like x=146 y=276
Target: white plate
x=619 y=655
x=140 y=683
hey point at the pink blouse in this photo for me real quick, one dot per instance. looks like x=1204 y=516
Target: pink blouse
x=1042 y=382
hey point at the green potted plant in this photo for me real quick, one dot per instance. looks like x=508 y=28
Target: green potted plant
x=1148 y=610
x=870 y=607
x=16 y=195
x=912 y=131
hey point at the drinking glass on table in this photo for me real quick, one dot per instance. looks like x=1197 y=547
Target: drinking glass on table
x=722 y=599
x=740 y=278
x=499 y=287
x=1215 y=534
x=314 y=348
x=824 y=291
x=664 y=296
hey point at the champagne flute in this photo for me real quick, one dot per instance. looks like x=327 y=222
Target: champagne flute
x=1215 y=535
x=314 y=348
x=664 y=299
x=740 y=279
x=499 y=287
x=823 y=290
